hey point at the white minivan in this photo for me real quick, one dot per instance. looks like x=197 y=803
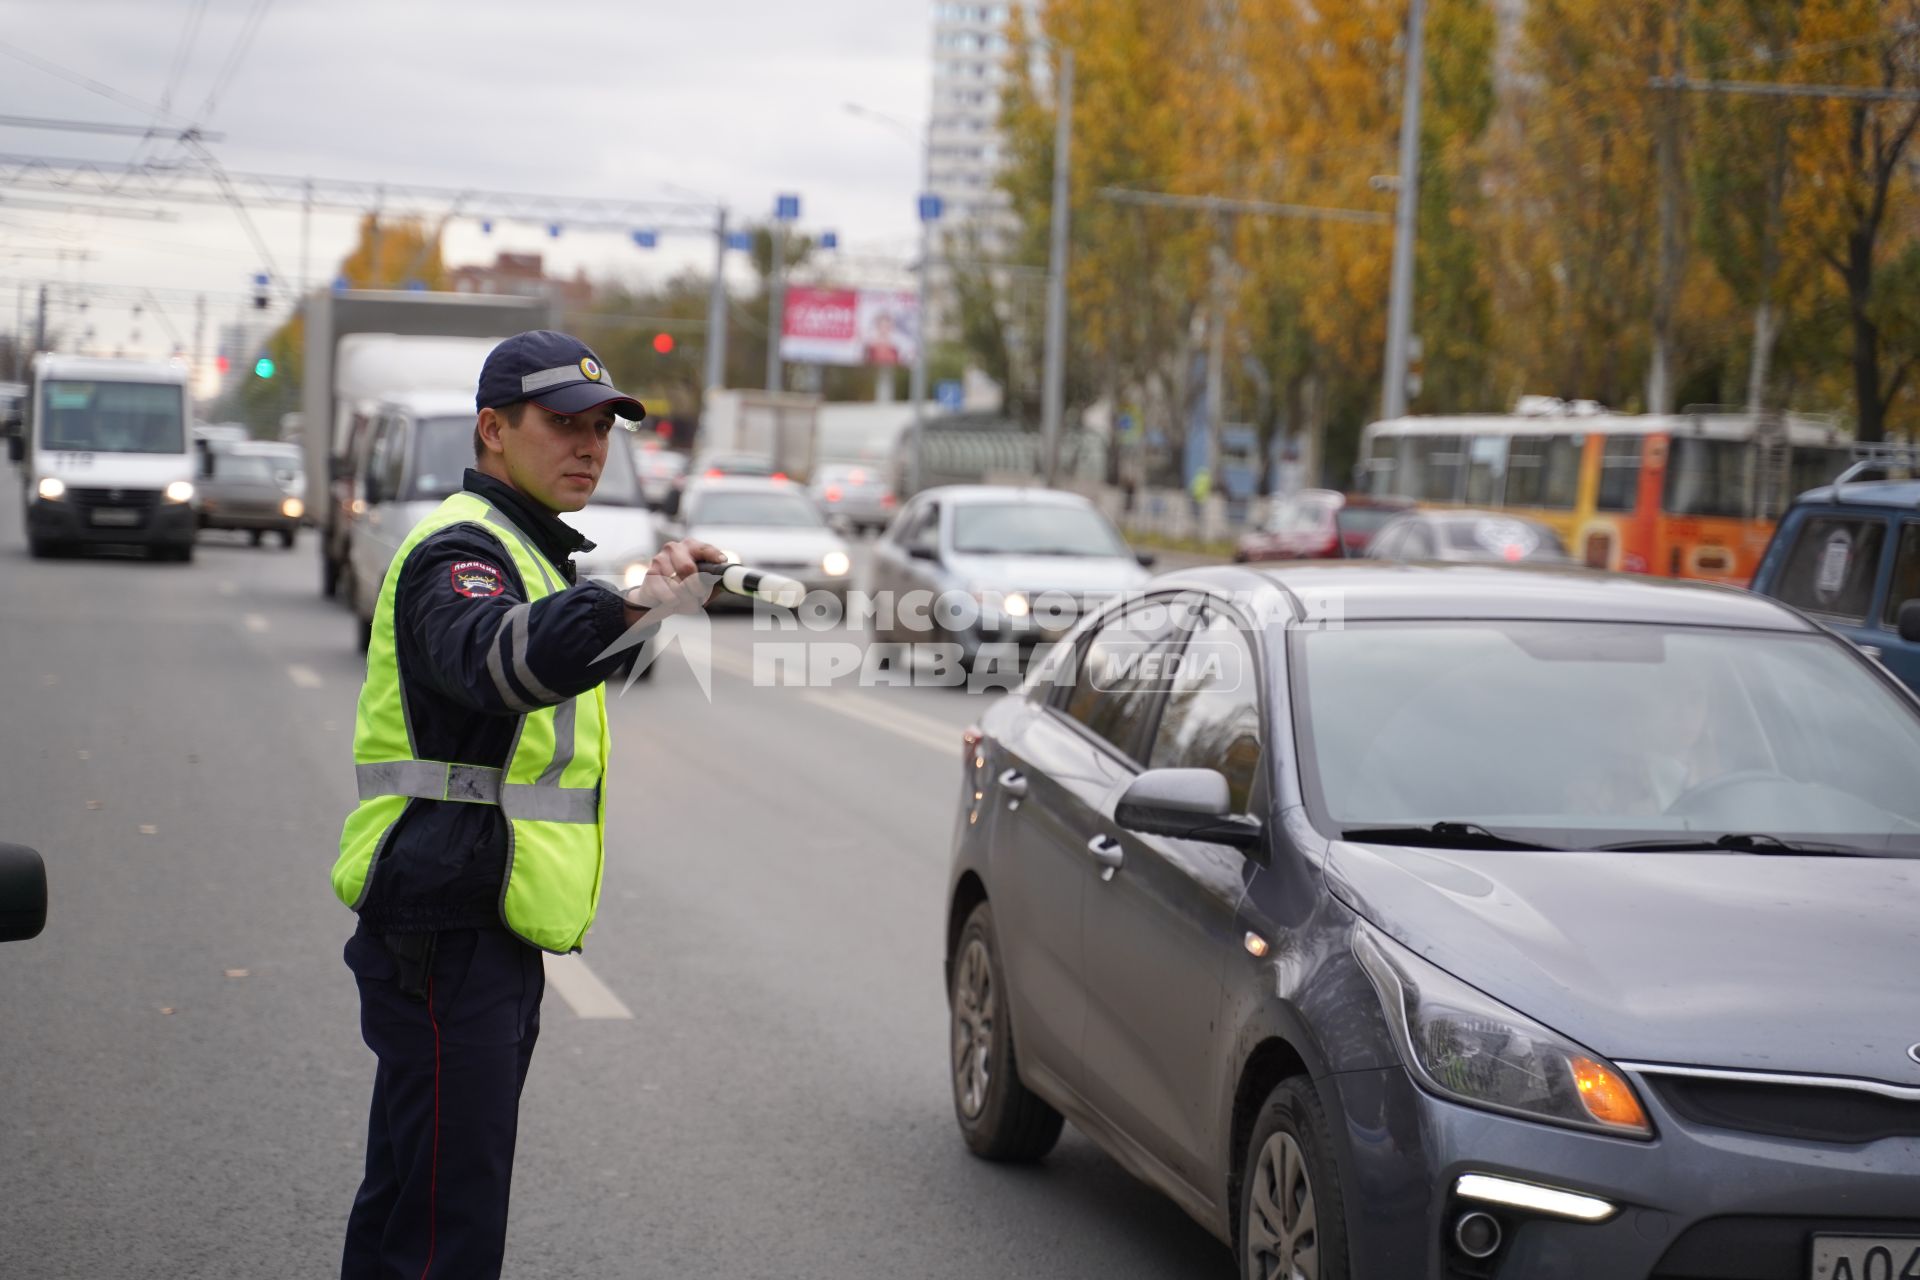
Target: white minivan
x=106 y=457
x=421 y=447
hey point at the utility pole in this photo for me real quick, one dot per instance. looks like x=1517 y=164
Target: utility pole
x=200 y=337
x=1393 y=396
x=1217 y=348
x=717 y=307
x=1053 y=389
x=306 y=226
x=930 y=209
x=40 y=323
x=785 y=209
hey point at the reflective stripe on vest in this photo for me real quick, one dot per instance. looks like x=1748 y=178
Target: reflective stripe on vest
x=551 y=791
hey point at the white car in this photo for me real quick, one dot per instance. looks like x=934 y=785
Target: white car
x=421 y=449
x=768 y=524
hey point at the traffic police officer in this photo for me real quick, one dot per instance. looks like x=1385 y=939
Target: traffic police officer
x=480 y=751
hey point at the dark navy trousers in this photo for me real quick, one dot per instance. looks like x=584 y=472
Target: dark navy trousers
x=446 y=1104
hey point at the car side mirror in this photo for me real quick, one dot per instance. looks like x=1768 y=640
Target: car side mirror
x=1188 y=804
x=16 y=448
x=23 y=893
x=924 y=553
x=1909 y=621
x=1146 y=559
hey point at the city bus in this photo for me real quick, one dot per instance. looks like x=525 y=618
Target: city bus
x=1686 y=495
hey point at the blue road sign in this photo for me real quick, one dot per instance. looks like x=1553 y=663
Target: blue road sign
x=740 y=240
x=646 y=239
x=786 y=208
x=949 y=394
x=553 y=230
x=486 y=226
x=829 y=240
x=930 y=208
x=260 y=281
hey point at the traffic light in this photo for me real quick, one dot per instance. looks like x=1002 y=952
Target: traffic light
x=222 y=363
x=260 y=298
x=663 y=343
x=263 y=367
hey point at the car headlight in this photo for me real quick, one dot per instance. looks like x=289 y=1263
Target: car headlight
x=1460 y=1043
x=1016 y=604
x=179 y=491
x=52 y=488
x=293 y=508
x=634 y=575
x=1012 y=604
x=835 y=564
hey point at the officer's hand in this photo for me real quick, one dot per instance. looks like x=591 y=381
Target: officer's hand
x=673 y=584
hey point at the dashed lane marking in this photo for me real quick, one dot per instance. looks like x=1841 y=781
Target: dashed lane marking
x=304 y=676
x=582 y=989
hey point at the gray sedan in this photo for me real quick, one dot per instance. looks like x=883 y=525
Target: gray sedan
x=246 y=488
x=1456 y=921
x=1487 y=537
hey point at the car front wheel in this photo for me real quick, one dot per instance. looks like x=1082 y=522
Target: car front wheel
x=1292 y=1214
x=1000 y=1118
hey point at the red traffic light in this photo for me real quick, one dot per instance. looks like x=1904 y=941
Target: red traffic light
x=221 y=363
x=663 y=343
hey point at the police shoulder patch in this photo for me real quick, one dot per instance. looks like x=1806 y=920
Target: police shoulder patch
x=477 y=579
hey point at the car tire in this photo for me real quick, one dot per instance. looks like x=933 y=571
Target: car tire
x=999 y=1117
x=286 y=539
x=1292 y=1213
x=254 y=536
x=42 y=548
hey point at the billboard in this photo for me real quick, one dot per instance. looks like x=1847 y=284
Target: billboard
x=849 y=326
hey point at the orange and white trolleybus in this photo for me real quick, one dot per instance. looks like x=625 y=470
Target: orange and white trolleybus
x=1685 y=495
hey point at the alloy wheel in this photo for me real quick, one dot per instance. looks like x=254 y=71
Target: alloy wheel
x=1283 y=1236
x=973 y=1028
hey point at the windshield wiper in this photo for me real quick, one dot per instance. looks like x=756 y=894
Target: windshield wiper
x=1443 y=835
x=1739 y=842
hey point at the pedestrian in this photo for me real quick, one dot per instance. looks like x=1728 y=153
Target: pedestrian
x=480 y=751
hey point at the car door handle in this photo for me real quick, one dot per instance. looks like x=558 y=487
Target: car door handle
x=1014 y=783
x=1107 y=851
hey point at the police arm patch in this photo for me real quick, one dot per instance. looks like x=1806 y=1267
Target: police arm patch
x=477 y=579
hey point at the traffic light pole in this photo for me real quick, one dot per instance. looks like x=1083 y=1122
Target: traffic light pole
x=1053 y=390
x=776 y=301
x=1393 y=394
x=717 y=308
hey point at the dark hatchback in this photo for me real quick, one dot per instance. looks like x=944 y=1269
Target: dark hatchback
x=1456 y=921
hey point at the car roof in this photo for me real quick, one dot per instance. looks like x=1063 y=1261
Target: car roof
x=275 y=447
x=745 y=484
x=1885 y=493
x=972 y=493
x=1372 y=590
x=432 y=404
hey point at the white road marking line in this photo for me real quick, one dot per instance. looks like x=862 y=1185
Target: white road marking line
x=229 y=588
x=582 y=989
x=255 y=622
x=927 y=733
x=305 y=677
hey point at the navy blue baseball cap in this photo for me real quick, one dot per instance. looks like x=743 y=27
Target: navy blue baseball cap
x=556 y=371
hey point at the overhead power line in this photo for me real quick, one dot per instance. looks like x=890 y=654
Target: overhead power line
x=86 y=82
x=1262 y=208
x=195 y=184
x=124 y=130
x=1770 y=89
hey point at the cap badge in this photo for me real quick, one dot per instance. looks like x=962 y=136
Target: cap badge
x=590 y=367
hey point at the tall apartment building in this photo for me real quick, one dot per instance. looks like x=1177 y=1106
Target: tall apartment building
x=963 y=145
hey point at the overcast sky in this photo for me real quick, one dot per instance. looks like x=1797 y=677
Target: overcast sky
x=633 y=99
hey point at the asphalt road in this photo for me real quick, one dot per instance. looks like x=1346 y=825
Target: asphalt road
x=182 y=1085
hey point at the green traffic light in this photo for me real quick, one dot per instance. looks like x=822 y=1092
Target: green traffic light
x=263 y=367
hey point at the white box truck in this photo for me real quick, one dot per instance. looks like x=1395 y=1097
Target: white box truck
x=364 y=345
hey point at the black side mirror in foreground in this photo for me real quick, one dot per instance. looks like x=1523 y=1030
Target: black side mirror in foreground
x=1188 y=804
x=23 y=893
x=1146 y=558
x=1909 y=621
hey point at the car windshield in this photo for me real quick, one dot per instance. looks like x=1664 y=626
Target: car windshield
x=781 y=510
x=242 y=466
x=1299 y=517
x=113 y=417
x=1581 y=734
x=618 y=486
x=1033 y=529
x=1503 y=539
x=655 y=463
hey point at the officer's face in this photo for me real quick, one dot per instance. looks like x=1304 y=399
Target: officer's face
x=555 y=459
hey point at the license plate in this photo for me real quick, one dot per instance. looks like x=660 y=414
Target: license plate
x=1866 y=1258
x=120 y=517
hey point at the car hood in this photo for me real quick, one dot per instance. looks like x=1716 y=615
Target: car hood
x=620 y=535
x=1740 y=961
x=762 y=544
x=113 y=470
x=1034 y=574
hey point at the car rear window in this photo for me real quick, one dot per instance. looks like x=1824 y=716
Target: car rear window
x=1832 y=566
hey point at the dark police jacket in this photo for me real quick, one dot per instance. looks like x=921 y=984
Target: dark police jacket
x=445 y=861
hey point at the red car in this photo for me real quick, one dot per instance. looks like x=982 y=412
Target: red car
x=1319 y=524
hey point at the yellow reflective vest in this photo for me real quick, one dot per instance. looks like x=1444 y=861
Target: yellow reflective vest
x=551 y=791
